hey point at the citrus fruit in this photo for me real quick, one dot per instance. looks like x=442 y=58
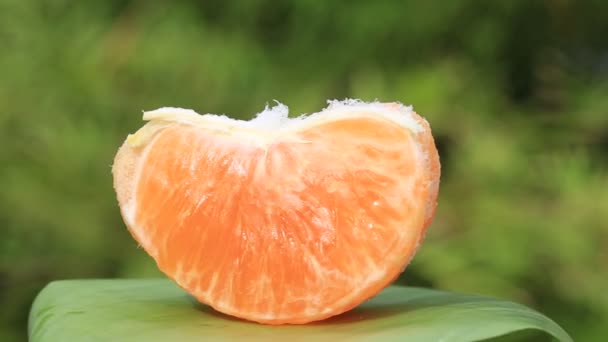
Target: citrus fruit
x=280 y=220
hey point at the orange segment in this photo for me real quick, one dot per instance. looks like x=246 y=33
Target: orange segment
x=286 y=226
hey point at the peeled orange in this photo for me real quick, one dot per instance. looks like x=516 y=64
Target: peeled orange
x=280 y=220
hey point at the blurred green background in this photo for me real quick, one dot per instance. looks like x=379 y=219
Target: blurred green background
x=516 y=93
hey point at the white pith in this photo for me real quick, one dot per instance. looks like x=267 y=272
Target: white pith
x=273 y=122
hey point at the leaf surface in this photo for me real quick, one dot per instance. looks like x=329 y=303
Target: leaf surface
x=158 y=310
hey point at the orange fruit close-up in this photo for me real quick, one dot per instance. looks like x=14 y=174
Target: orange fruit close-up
x=280 y=220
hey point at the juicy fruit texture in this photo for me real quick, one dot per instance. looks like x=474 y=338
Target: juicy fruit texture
x=276 y=220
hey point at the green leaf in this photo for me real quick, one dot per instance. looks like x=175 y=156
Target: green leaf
x=157 y=310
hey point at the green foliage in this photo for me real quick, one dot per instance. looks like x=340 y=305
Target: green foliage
x=158 y=310
x=515 y=92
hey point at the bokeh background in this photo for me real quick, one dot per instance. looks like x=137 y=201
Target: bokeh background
x=516 y=92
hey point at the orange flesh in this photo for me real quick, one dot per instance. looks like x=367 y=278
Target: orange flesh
x=301 y=229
